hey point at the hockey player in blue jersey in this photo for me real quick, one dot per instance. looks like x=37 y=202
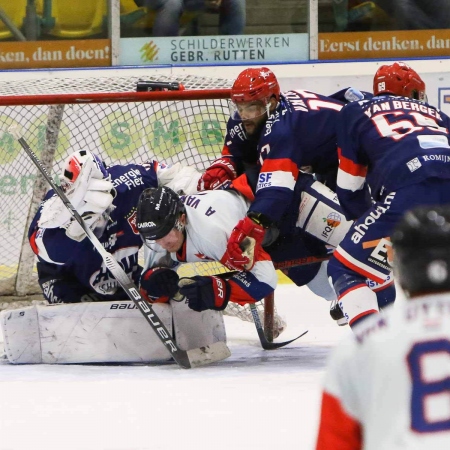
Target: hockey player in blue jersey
x=394 y=154
x=273 y=138
x=69 y=268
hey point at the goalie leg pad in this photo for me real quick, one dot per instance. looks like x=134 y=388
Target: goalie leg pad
x=197 y=329
x=103 y=332
x=321 y=215
x=22 y=342
x=98 y=332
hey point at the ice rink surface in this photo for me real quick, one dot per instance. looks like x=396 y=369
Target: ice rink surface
x=254 y=400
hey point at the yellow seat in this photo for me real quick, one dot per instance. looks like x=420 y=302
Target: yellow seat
x=15 y=10
x=143 y=18
x=78 y=19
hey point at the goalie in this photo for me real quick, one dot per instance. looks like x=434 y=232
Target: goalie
x=80 y=326
x=70 y=270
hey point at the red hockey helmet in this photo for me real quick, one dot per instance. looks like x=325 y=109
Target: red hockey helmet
x=255 y=84
x=399 y=79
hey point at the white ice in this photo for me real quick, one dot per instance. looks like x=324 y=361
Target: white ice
x=254 y=400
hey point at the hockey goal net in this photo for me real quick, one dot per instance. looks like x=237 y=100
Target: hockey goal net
x=107 y=116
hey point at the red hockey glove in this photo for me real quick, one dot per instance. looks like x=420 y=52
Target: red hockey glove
x=241 y=251
x=218 y=175
x=159 y=285
x=205 y=292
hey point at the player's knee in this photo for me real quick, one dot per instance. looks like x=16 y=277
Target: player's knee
x=342 y=278
x=385 y=292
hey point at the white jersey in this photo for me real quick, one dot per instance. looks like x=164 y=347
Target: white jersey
x=388 y=386
x=211 y=217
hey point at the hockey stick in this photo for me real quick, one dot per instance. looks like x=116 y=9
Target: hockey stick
x=306 y=261
x=248 y=247
x=265 y=344
x=185 y=358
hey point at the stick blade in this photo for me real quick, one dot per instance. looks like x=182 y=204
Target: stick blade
x=209 y=354
x=274 y=345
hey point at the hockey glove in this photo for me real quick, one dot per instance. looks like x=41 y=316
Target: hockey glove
x=204 y=293
x=243 y=245
x=159 y=285
x=217 y=176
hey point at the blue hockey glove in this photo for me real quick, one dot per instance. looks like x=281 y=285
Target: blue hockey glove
x=205 y=293
x=159 y=285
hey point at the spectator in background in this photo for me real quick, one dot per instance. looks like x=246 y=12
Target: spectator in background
x=168 y=12
x=360 y=15
x=417 y=14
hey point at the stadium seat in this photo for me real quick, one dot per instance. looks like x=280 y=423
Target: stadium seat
x=75 y=19
x=141 y=19
x=15 y=10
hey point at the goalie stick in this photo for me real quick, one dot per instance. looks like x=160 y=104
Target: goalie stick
x=184 y=358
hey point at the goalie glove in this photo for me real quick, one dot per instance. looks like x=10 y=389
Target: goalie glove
x=204 y=293
x=159 y=285
x=218 y=175
x=87 y=186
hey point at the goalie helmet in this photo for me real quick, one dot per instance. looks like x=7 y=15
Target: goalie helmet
x=158 y=212
x=421 y=244
x=255 y=84
x=75 y=161
x=399 y=79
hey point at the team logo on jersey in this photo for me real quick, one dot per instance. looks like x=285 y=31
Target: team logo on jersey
x=102 y=280
x=131 y=218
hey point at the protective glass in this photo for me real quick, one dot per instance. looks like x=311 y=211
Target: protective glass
x=248 y=110
x=152 y=244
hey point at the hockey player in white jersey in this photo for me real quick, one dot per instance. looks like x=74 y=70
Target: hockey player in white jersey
x=195 y=228
x=388 y=387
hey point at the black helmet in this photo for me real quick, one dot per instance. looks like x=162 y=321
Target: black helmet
x=422 y=250
x=157 y=212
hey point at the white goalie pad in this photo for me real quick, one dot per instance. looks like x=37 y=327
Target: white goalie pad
x=196 y=329
x=100 y=332
x=320 y=215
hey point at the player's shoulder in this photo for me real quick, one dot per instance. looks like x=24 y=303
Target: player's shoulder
x=355 y=109
x=219 y=197
x=217 y=206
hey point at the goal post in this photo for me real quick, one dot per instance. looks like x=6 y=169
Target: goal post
x=108 y=117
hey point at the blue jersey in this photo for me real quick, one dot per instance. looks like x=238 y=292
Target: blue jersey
x=300 y=134
x=69 y=270
x=387 y=143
